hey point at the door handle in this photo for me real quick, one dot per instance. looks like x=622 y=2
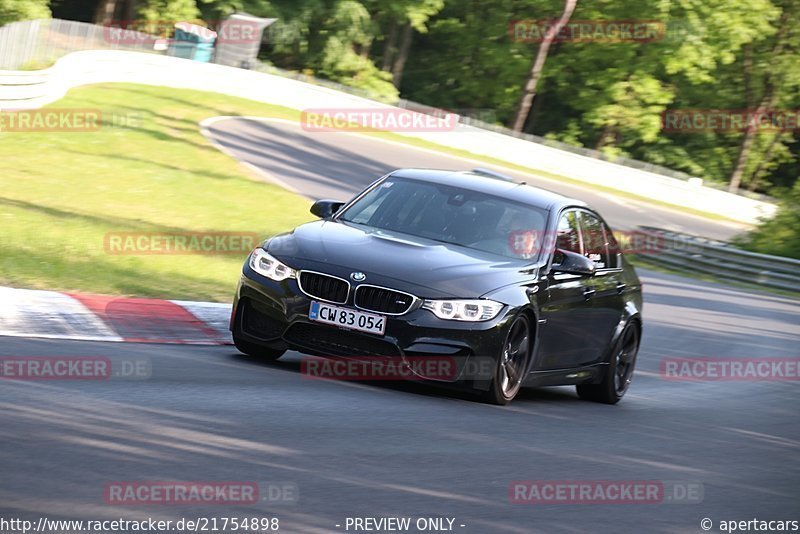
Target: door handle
x=588 y=293
x=621 y=287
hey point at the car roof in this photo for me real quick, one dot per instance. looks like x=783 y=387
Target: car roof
x=492 y=183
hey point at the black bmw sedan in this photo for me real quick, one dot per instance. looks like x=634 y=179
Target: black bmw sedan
x=517 y=285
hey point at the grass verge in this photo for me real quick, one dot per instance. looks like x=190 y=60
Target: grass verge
x=63 y=192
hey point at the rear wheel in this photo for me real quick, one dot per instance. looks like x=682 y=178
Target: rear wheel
x=619 y=371
x=512 y=363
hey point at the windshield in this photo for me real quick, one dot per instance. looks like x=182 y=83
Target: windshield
x=451 y=215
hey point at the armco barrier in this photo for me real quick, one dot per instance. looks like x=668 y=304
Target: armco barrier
x=99 y=66
x=23 y=86
x=694 y=253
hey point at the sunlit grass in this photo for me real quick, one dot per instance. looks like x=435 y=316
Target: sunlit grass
x=62 y=192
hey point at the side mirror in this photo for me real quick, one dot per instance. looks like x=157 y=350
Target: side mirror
x=568 y=262
x=325 y=208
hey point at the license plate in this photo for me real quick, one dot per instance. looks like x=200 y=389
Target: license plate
x=347 y=318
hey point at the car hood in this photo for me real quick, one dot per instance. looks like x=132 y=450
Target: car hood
x=424 y=267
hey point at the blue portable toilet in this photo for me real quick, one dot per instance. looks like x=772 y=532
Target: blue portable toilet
x=192 y=42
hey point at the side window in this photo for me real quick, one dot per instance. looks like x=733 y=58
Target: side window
x=568 y=235
x=613 y=248
x=595 y=242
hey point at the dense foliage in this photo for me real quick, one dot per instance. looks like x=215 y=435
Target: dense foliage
x=11 y=10
x=780 y=235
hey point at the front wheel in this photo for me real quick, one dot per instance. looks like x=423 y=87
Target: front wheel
x=619 y=371
x=248 y=347
x=257 y=351
x=512 y=363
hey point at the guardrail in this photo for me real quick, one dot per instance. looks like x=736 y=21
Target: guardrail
x=686 y=251
x=22 y=87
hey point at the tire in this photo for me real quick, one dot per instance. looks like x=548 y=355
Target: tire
x=252 y=349
x=512 y=363
x=257 y=351
x=619 y=371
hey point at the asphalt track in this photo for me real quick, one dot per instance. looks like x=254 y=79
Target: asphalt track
x=408 y=450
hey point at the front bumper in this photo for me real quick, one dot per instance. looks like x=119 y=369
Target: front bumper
x=275 y=314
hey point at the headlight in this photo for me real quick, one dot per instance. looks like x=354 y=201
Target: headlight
x=266 y=265
x=464 y=310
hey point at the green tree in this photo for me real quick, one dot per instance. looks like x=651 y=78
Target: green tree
x=13 y=10
x=327 y=38
x=538 y=65
x=779 y=235
x=168 y=10
x=467 y=58
x=344 y=56
x=771 y=71
x=398 y=21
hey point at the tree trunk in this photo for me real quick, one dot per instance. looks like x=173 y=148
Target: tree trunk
x=747 y=144
x=389 y=47
x=130 y=10
x=402 y=56
x=748 y=77
x=741 y=161
x=768 y=100
x=606 y=137
x=762 y=165
x=104 y=14
x=538 y=64
x=365 y=50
